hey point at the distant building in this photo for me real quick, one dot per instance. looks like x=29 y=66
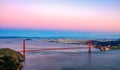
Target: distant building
x=104 y=48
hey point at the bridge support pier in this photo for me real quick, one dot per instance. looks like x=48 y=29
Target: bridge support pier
x=24 y=48
x=89 y=47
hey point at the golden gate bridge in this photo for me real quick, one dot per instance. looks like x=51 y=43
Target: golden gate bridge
x=43 y=49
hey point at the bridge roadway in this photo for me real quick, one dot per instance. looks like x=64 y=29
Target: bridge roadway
x=43 y=49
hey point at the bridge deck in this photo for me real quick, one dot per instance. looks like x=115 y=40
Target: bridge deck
x=43 y=49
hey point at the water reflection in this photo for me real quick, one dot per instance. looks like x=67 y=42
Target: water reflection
x=89 y=58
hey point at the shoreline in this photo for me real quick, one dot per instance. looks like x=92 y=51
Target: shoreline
x=102 y=44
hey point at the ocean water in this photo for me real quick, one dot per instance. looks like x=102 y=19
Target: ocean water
x=61 y=34
x=72 y=59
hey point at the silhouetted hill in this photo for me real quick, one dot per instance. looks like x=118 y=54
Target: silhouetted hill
x=106 y=43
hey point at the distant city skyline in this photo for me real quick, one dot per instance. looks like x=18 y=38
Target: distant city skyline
x=64 y=15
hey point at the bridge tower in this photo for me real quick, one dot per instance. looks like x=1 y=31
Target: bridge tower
x=24 y=48
x=89 y=46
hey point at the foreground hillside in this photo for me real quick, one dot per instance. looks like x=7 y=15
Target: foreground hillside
x=10 y=59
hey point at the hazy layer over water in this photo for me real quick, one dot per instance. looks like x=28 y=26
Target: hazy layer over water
x=50 y=60
x=73 y=59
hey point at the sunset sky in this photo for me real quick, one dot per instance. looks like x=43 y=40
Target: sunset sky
x=71 y=15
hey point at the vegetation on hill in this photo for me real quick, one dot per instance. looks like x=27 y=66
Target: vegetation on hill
x=10 y=59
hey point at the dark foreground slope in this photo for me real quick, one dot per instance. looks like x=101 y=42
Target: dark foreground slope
x=10 y=59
